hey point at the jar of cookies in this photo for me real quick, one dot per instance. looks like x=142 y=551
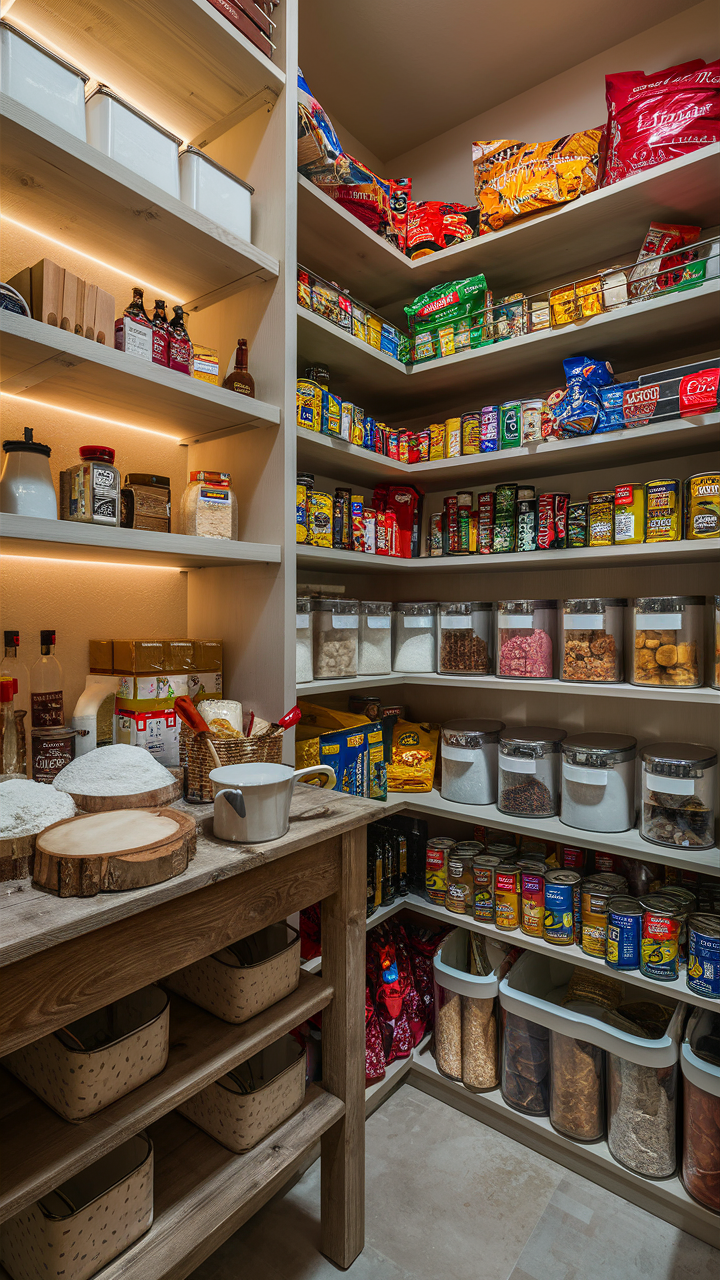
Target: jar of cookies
x=591 y=640
x=678 y=795
x=335 y=638
x=667 y=641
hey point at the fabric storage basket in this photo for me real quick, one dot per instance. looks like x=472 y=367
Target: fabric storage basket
x=242 y=1108
x=466 y=1041
x=701 y=1111
x=74 y=1231
x=85 y=1066
x=242 y=980
x=126 y=135
x=215 y=192
x=41 y=81
x=197 y=763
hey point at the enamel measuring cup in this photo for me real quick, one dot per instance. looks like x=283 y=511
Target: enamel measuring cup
x=252 y=801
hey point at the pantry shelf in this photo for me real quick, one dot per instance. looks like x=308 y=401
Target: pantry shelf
x=42 y=363
x=709 y=697
x=681 y=552
x=56 y=183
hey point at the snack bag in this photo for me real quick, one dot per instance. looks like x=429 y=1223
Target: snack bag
x=447 y=303
x=646 y=277
x=437 y=224
x=579 y=410
x=414 y=751
x=513 y=179
x=400 y=189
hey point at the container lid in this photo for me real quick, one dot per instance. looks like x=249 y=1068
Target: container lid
x=376 y=607
x=144 y=477
x=703 y=1074
x=525 y=606
x=662 y=904
x=109 y=93
x=27 y=445
x=303 y=604
x=471 y=733
x=624 y=905
x=97 y=453
x=48 y=52
x=195 y=151
x=535 y=740
x=677 y=759
x=336 y=604
x=590 y=605
x=449 y=607
x=422 y=608
x=665 y=604
x=599 y=749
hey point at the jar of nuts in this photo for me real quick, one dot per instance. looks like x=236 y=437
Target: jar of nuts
x=678 y=795
x=591 y=637
x=465 y=638
x=335 y=633
x=667 y=639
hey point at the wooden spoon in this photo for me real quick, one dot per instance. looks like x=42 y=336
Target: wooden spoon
x=190 y=715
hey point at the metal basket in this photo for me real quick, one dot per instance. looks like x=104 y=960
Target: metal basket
x=197 y=763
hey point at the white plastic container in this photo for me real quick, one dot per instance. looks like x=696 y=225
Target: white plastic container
x=469 y=750
x=374 y=638
x=466 y=1045
x=598 y=781
x=126 y=135
x=215 y=192
x=701 y=1115
x=41 y=81
x=303 y=640
x=26 y=485
x=414 y=637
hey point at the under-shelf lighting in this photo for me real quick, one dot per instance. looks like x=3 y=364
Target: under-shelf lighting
x=78 y=413
x=91 y=564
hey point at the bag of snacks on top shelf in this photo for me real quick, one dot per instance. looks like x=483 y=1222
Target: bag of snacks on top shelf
x=513 y=179
x=435 y=224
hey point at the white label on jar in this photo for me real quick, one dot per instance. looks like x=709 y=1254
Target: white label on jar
x=345 y=621
x=519 y=620
x=302 y=621
x=624 y=525
x=515 y=764
x=377 y=622
x=583 y=621
x=456 y=622
x=461 y=753
x=591 y=777
x=658 y=621
x=671 y=786
x=416 y=623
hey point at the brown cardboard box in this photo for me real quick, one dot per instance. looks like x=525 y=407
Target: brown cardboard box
x=101 y=656
x=46 y=291
x=105 y=318
x=207 y=655
x=89 y=305
x=131 y=657
x=179 y=655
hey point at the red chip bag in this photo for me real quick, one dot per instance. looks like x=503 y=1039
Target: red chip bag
x=699 y=392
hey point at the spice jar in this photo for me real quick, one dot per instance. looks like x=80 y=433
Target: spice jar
x=529 y=772
x=465 y=638
x=374 y=638
x=577 y=1088
x=469 y=760
x=525 y=1064
x=208 y=507
x=678 y=795
x=335 y=638
x=303 y=641
x=414 y=637
x=591 y=639
x=668 y=636
x=525 y=638
x=598 y=781
x=700 y=1066
x=90 y=490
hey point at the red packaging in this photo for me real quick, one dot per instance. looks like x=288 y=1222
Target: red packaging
x=450 y=520
x=381 y=537
x=423 y=445
x=435 y=224
x=561 y=502
x=546 y=521
x=240 y=20
x=639 y=404
x=180 y=355
x=400 y=189
x=532 y=903
x=380 y=437
x=403 y=446
x=414 y=449
x=393 y=445
x=605 y=862
x=573 y=859
x=401 y=501
x=393 y=533
x=699 y=392
x=661 y=236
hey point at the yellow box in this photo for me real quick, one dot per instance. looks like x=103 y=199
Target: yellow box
x=206 y=363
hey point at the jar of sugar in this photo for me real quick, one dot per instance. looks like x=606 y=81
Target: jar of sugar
x=526 y=638
x=598 y=781
x=374 y=638
x=303 y=640
x=414 y=639
x=469 y=751
x=335 y=638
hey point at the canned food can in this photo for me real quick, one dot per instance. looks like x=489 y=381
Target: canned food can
x=562 y=897
x=594 y=898
x=470 y=424
x=489 y=428
x=624 y=927
x=436 y=869
x=435 y=535
x=459 y=895
x=687 y=901
x=702 y=505
x=484 y=887
x=610 y=880
x=663 y=508
x=532 y=901
x=703 y=962
x=660 y=941
x=510 y=424
x=321 y=519
x=309 y=404
x=507 y=896
x=301 y=512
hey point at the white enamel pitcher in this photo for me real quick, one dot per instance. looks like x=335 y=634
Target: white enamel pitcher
x=252 y=801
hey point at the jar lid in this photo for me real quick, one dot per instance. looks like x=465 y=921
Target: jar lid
x=26 y=445
x=97 y=453
x=597 y=750
x=589 y=605
x=411 y=608
x=303 y=604
x=678 y=759
x=109 y=93
x=471 y=733
x=376 y=607
x=525 y=606
x=535 y=740
x=665 y=604
x=211 y=477
x=466 y=847
x=336 y=604
x=449 y=607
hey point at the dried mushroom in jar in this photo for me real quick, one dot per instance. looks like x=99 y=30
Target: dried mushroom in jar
x=661 y=657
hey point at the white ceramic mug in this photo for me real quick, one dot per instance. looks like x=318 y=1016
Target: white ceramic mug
x=252 y=801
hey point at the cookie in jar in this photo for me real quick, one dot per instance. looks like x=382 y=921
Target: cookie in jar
x=666 y=646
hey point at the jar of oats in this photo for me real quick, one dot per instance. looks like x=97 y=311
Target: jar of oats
x=208 y=507
x=666 y=647
x=335 y=638
x=465 y=981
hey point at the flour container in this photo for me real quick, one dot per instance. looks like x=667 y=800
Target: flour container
x=466 y=1040
x=700 y=1067
x=414 y=637
x=215 y=192
x=469 y=750
x=42 y=81
x=598 y=781
x=242 y=980
x=374 y=638
x=126 y=135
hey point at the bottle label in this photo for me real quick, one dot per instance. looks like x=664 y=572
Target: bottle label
x=133 y=338
x=160 y=346
x=47 y=710
x=180 y=354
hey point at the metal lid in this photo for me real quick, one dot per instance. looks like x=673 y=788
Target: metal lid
x=466 y=607
x=48 y=52
x=661 y=904
x=195 y=151
x=562 y=877
x=525 y=606
x=376 y=607
x=486 y=860
x=625 y=906
x=109 y=93
x=705 y=922
x=469 y=846
x=535 y=740
x=411 y=608
x=591 y=605
x=678 y=759
x=336 y=604
x=665 y=604
x=303 y=604
x=597 y=750
x=471 y=733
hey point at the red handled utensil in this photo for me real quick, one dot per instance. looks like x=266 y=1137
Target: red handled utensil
x=190 y=716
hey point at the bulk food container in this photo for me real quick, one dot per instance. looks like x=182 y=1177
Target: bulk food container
x=335 y=638
x=525 y=638
x=303 y=640
x=126 y=135
x=667 y=641
x=465 y=639
x=678 y=795
x=375 y=638
x=71 y=1233
x=529 y=763
x=466 y=972
x=214 y=192
x=469 y=755
x=598 y=781
x=242 y=980
x=525 y=1057
x=88 y=1064
x=700 y=1066
x=591 y=640
x=414 y=637
x=42 y=81
x=243 y=1107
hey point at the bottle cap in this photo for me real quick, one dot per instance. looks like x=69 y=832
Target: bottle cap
x=12 y=638
x=47 y=637
x=97 y=453
x=26 y=445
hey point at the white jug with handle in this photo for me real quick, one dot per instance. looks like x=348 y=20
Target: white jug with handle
x=252 y=801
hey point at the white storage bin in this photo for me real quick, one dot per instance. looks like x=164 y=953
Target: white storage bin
x=41 y=81
x=126 y=135
x=215 y=192
x=466 y=1041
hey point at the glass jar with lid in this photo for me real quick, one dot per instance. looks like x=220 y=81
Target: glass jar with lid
x=465 y=639
x=529 y=772
x=678 y=795
x=414 y=637
x=526 y=638
x=591 y=640
x=303 y=640
x=374 y=638
x=469 y=752
x=598 y=781
x=667 y=640
x=335 y=638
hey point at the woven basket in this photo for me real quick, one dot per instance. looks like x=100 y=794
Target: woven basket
x=197 y=762
x=239 y=1119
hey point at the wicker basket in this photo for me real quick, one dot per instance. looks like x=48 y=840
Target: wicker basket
x=242 y=1108
x=197 y=762
x=237 y=983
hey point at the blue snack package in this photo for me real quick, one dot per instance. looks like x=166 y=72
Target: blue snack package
x=612 y=417
x=369 y=425
x=579 y=410
x=594 y=373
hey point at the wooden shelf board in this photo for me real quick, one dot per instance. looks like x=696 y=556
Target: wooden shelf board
x=681 y=552
x=62 y=369
x=42 y=1150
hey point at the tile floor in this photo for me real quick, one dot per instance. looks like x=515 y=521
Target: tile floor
x=449 y=1199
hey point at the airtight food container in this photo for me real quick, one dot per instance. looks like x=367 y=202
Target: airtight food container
x=469 y=751
x=466 y=1039
x=42 y=81
x=303 y=640
x=678 y=795
x=526 y=638
x=667 y=641
x=336 y=622
x=529 y=766
x=591 y=640
x=414 y=637
x=215 y=192
x=465 y=638
x=375 y=638
x=598 y=781
x=126 y=135
x=700 y=1066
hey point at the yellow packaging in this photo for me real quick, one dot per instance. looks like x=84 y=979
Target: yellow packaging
x=357 y=434
x=374 y=330
x=320 y=519
x=414 y=751
x=206 y=363
x=702 y=506
x=629 y=513
x=470 y=433
x=301 y=513
x=562 y=306
x=446 y=338
x=601 y=510
x=309 y=404
x=663 y=509
x=359 y=323
x=589 y=297
x=437 y=441
x=453 y=438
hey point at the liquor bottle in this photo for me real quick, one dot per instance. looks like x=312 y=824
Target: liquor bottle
x=181 y=348
x=240 y=380
x=46 y=681
x=12 y=666
x=161 y=334
x=133 y=329
x=136 y=308
x=9 y=755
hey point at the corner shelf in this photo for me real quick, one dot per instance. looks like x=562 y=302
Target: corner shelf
x=497 y=684
x=640 y=554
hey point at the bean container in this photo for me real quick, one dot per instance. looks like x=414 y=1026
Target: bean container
x=598 y=781
x=525 y=638
x=374 y=638
x=214 y=192
x=335 y=638
x=469 y=750
x=414 y=637
x=126 y=135
x=465 y=639
x=303 y=640
x=591 y=640
x=667 y=641
x=678 y=795
x=529 y=765
x=42 y=81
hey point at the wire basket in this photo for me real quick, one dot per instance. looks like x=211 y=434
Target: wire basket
x=196 y=761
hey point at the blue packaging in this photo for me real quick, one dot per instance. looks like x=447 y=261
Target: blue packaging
x=489 y=428
x=579 y=411
x=612 y=417
x=703 y=961
x=594 y=373
x=390 y=340
x=562 y=905
x=624 y=928
x=325 y=412
x=369 y=433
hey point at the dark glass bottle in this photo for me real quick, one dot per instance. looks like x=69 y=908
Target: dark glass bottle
x=161 y=333
x=181 y=348
x=240 y=380
x=136 y=308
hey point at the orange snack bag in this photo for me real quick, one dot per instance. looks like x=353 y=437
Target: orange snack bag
x=514 y=179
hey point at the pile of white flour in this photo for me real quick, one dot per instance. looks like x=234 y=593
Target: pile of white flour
x=28 y=807
x=119 y=770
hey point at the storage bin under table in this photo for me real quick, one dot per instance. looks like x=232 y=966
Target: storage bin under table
x=466 y=1042
x=240 y=981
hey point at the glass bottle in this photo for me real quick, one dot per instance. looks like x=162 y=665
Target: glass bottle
x=181 y=348
x=9 y=762
x=136 y=309
x=46 y=681
x=16 y=670
x=161 y=334
x=240 y=380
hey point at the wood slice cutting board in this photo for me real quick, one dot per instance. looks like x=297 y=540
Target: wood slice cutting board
x=16 y=857
x=141 y=799
x=116 y=850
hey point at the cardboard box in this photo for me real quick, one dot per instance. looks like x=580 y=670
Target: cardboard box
x=89 y=305
x=155 y=728
x=137 y=657
x=178 y=655
x=207 y=655
x=101 y=655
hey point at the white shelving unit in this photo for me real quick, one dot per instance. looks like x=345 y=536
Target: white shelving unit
x=634 y=556
x=495 y=684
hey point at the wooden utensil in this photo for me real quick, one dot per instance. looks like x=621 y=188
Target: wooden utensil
x=113 y=850
x=190 y=715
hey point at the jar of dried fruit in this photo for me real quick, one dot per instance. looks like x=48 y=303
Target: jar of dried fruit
x=465 y=638
x=591 y=637
x=667 y=641
x=525 y=638
x=529 y=762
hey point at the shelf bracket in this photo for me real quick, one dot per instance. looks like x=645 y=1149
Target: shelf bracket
x=228 y=290
x=19 y=382
x=265 y=97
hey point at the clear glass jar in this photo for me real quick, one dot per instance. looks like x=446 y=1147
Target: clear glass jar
x=577 y=1088
x=470 y=760
x=208 y=507
x=303 y=640
x=414 y=637
x=598 y=781
x=678 y=795
x=591 y=640
x=335 y=638
x=465 y=640
x=642 y=1116
x=716 y=633
x=526 y=638
x=374 y=638
x=668 y=641
x=529 y=772
x=525 y=1082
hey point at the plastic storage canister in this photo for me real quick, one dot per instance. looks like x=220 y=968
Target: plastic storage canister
x=678 y=795
x=469 y=760
x=335 y=638
x=525 y=638
x=414 y=637
x=465 y=638
x=26 y=485
x=374 y=638
x=215 y=192
x=598 y=781
x=529 y=772
x=42 y=81
x=525 y=1064
x=668 y=641
x=591 y=640
x=303 y=641
x=701 y=1112
x=126 y=135
x=466 y=1046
